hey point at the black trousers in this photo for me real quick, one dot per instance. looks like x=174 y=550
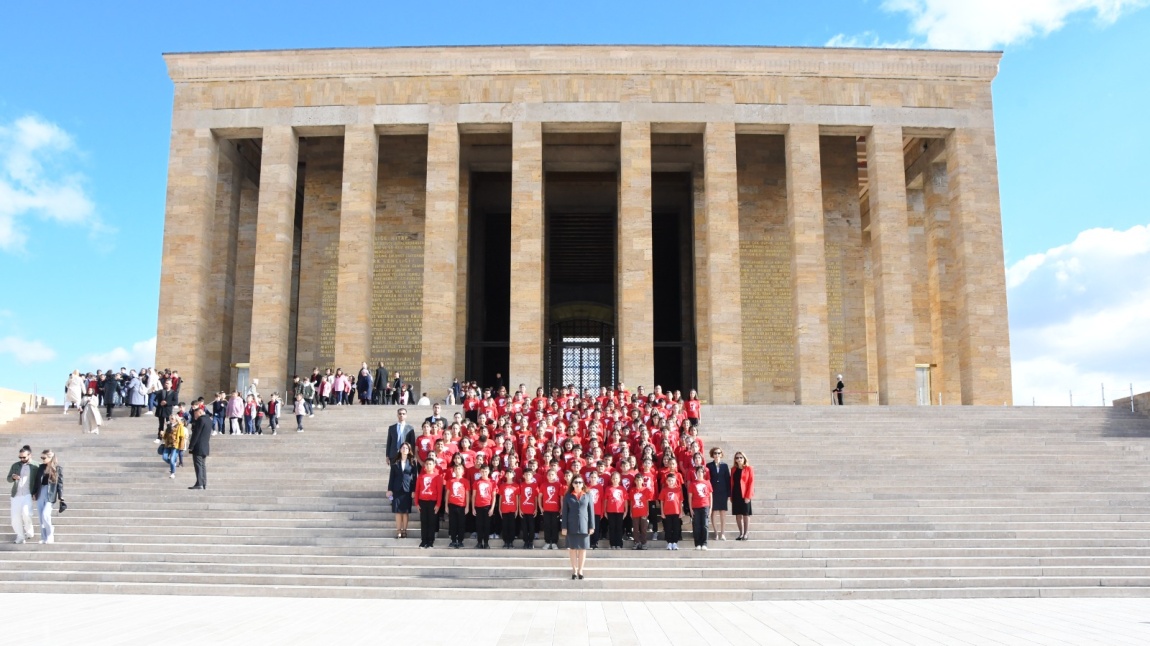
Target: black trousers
x=615 y=529
x=551 y=527
x=598 y=522
x=507 y=528
x=483 y=524
x=673 y=526
x=640 y=533
x=135 y=411
x=699 y=518
x=527 y=530
x=427 y=523
x=200 y=463
x=456 y=515
x=108 y=410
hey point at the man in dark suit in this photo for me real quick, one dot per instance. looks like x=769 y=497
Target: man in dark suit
x=379 y=395
x=436 y=416
x=165 y=403
x=398 y=434
x=198 y=446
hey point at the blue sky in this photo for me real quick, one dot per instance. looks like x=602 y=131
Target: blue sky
x=85 y=107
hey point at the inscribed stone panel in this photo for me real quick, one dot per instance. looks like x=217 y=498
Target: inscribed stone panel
x=315 y=330
x=765 y=264
x=397 y=303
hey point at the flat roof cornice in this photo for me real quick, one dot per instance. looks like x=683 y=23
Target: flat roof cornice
x=919 y=64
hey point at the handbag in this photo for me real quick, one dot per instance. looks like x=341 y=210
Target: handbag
x=63 y=506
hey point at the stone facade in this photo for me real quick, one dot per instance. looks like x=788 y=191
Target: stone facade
x=844 y=213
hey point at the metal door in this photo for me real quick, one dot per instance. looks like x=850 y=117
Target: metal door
x=581 y=354
x=922 y=384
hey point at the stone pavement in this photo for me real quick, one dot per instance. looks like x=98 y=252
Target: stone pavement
x=130 y=619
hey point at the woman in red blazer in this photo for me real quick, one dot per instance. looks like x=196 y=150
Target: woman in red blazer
x=742 y=492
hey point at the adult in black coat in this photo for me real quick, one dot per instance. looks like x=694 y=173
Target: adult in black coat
x=165 y=404
x=398 y=434
x=110 y=386
x=199 y=446
x=379 y=396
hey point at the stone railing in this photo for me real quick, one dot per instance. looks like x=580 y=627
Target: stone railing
x=14 y=403
x=1141 y=404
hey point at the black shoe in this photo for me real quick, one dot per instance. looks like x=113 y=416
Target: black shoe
x=195 y=487
x=580 y=577
x=573 y=576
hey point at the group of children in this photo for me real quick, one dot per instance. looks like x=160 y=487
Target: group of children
x=505 y=474
x=238 y=415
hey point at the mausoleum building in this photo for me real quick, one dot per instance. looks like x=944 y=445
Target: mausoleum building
x=747 y=221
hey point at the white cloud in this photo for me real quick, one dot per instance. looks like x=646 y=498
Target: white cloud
x=1080 y=318
x=867 y=39
x=141 y=355
x=26 y=352
x=34 y=180
x=985 y=24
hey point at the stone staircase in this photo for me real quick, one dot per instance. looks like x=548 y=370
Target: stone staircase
x=852 y=502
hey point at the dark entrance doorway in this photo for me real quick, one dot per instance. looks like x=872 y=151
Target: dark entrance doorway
x=581 y=240
x=488 y=277
x=673 y=283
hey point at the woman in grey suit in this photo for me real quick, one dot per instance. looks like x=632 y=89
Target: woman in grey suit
x=47 y=488
x=576 y=520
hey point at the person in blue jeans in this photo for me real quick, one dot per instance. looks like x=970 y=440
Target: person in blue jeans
x=174 y=435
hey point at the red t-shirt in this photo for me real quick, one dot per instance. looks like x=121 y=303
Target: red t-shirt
x=508 y=497
x=672 y=501
x=692 y=408
x=596 y=492
x=616 y=500
x=552 y=494
x=528 y=492
x=639 y=497
x=429 y=487
x=700 y=494
x=457 y=489
x=423 y=445
x=484 y=493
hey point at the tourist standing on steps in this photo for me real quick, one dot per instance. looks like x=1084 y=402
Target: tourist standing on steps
x=47 y=488
x=109 y=394
x=199 y=446
x=428 y=492
x=90 y=418
x=838 y=393
x=165 y=406
x=401 y=486
x=742 y=492
x=235 y=413
x=378 y=394
x=174 y=435
x=576 y=522
x=137 y=394
x=671 y=506
x=73 y=391
x=300 y=409
x=720 y=477
x=20 y=474
x=700 y=493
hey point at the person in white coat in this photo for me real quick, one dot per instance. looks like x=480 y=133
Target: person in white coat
x=73 y=391
x=90 y=418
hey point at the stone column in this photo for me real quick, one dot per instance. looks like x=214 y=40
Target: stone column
x=984 y=338
x=891 y=266
x=808 y=264
x=356 y=245
x=275 y=230
x=635 y=310
x=527 y=288
x=724 y=287
x=193 y=166
x=940 y=277
x=440 y=269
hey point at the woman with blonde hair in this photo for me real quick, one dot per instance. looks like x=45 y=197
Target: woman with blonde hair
x=48 y=487
x=742 y=492
x=175 y=437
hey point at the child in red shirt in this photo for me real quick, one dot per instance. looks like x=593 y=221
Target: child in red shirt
x=638 y=501
x=595 y=489
x=616 y=507
x=550 y=496
x=458 y=489
x=700 y=491
x=527 y=497
x=428 y=488
x=508 y=509
x=671 y=504
x=480 y=501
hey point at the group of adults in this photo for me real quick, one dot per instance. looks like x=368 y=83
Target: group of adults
x=146 y=391
x=39 y=486
x=608 y=466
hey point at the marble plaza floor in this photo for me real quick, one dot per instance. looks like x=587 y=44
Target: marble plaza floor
x=128 y=619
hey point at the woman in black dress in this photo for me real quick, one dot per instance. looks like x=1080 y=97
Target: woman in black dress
x=742 y=492
x=720 y=475
x=400 y=486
